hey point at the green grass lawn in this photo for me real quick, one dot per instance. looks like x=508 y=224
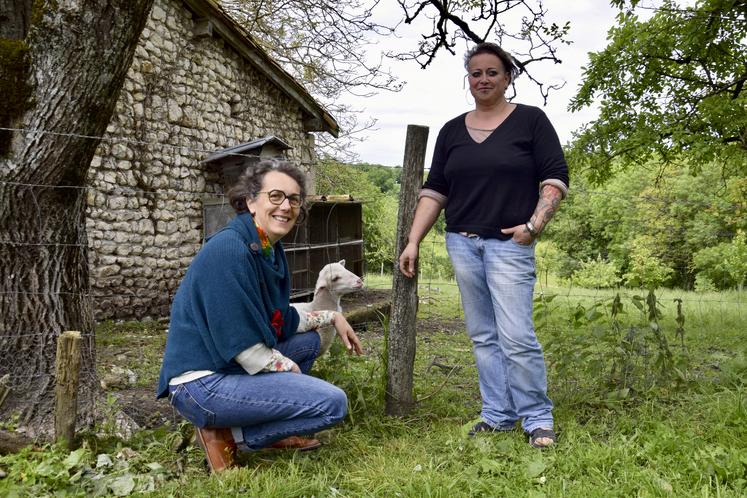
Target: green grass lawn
x=678 y=430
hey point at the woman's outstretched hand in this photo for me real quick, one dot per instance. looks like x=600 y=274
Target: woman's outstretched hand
x=347 y=335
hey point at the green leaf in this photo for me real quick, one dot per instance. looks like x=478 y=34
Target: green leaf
x=535 y=468
x=46 y=468
x=155 y=467
x=504 y=447
x=489 y=466
x=618 y=395
x=103 y=460
x=122 y=485
x=74 y=458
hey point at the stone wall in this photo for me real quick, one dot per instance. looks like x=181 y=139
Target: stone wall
x=184 y=97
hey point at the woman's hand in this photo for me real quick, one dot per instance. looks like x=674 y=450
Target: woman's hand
x=407 y=259
x=519 y=234
x=347 y=335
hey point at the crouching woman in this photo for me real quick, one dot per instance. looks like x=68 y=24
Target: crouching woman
x=235 y=365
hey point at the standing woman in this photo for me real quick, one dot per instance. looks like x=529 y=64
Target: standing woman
x=234 y=364
x=499 y=172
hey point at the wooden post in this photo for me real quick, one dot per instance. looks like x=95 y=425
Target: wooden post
x=66 y=390
x=401 y=335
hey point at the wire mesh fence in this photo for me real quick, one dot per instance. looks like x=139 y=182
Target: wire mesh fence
x=139 y=241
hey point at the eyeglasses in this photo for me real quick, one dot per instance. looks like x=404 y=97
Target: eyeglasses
x=277 y=197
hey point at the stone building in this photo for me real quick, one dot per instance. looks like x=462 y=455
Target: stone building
x=198 y=83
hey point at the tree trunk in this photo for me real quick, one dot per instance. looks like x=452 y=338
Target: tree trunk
x=401 y=336
x=76 y=55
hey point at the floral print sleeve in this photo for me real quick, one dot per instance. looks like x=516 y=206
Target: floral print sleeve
x=278 y=363
x=260 y=358
x=314 y=319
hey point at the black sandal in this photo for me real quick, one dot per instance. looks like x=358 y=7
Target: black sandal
x=483 y=426
x=540 y=433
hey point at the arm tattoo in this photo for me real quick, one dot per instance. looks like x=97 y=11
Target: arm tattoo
x=546 y=206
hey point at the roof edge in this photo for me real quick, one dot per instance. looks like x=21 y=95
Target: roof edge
x=235 y=35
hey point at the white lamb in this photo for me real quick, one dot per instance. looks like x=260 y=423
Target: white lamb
x=334 y=282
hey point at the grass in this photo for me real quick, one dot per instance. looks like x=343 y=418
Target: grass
x=138 y=345
x=679 y=437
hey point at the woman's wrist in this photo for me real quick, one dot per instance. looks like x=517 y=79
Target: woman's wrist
x=315 y=319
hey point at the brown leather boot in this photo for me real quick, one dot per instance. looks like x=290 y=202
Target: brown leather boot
x=219 y=447
x=296 y=443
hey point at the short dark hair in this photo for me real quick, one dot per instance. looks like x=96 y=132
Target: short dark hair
x=250 y=181
x=509 y=64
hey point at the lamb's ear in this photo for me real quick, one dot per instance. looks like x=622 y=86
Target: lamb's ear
x=342 y=262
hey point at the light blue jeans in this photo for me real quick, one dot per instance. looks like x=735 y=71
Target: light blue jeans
x=496 y=281
x=266 y=407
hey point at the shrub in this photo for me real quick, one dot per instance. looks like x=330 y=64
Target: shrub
x=597 y=274
x=645 y=269
x=725 y=264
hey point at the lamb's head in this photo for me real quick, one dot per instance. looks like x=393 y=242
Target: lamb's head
x=338 y=280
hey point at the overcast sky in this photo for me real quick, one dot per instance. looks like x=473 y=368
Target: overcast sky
x=434 y=95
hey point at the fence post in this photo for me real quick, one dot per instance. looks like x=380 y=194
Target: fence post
x=401 y=334
x=67 y=374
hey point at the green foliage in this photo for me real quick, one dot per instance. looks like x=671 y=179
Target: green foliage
x=627 y=428
x=597 y=274
x=704 y=284
x=384 y=177
x=379 y=208
x=55 y=471
x=624 y=357
x=725 y=263
x=548 y=258
x=644 y=268
x=652 y=217
x=671 y=86
x=433 y=260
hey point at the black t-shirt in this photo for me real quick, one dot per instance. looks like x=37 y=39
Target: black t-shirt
x=495 y=184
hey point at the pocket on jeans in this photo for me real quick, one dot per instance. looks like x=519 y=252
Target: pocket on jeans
x=190 y=409
x=528 y=246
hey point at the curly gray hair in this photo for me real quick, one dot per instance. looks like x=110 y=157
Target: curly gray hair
x=250 y=181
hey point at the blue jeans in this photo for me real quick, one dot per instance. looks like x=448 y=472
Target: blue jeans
x=496 y=281
x=266 y=407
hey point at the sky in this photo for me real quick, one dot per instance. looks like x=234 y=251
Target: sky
x=434 y=95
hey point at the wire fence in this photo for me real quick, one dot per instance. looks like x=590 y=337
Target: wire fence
x=139 y=242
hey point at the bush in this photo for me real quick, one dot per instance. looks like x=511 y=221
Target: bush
x=704 y=284
x=725 y=265
x=645 y=268
x=597 y=274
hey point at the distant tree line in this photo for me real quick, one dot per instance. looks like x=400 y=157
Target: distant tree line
x=652 y=226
